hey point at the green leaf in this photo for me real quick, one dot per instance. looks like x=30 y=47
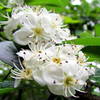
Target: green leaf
x=6 y=86
x=97 y=93
x=96 y=77
x=92 y=53
x=86 y=34
x=69 y=20
x=6 y=90
x=86 y=9
x=97 y=29
x=93 y=41
x=42 y=2
x=58 y=5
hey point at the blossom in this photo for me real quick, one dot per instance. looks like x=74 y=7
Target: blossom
x=63 y=68
x=63 y=53
x=67 y=79
x=32 y=24
x=15 y=22
x=21 y=72
x=29 y=69
x=35 y=59
x=35 y=29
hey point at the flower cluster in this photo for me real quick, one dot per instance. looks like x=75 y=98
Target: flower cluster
x=63 y=68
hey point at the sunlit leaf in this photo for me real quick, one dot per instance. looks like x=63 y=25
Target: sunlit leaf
x=56 y=5
x=93 y=41
x=85 y=34
x=69 y=20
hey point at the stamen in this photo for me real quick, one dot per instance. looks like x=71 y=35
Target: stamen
x=16 y=77
x=38 y=31
x=20 y=63
x=17 y=74
x=17 y=67
x=78 y=90
x=72 y=93
x=56 y=60
x=66 y=92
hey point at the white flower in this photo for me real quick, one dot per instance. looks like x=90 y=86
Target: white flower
x=62 y=68
x=65 y=80
x=54 y=19
x=32 y=32
x=35 y=60
x=55 y=55
x=29 y=24
x=35 y=56
x=18 y=16
x=29 y=70
x=20 y=72
x=71 y=49
x=36 y=28
x=61 y=54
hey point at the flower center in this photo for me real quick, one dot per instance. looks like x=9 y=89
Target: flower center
x=38 y=31
x=81 y=61
x=27 y=73
x=39 y=51
x=69 y=81
x=56 y=60
x=54 y=25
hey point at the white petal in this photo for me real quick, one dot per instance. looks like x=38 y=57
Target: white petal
x=25 y=54
x=56 y=89
x=38 y=77
x=53 y=73
x=22 y=36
